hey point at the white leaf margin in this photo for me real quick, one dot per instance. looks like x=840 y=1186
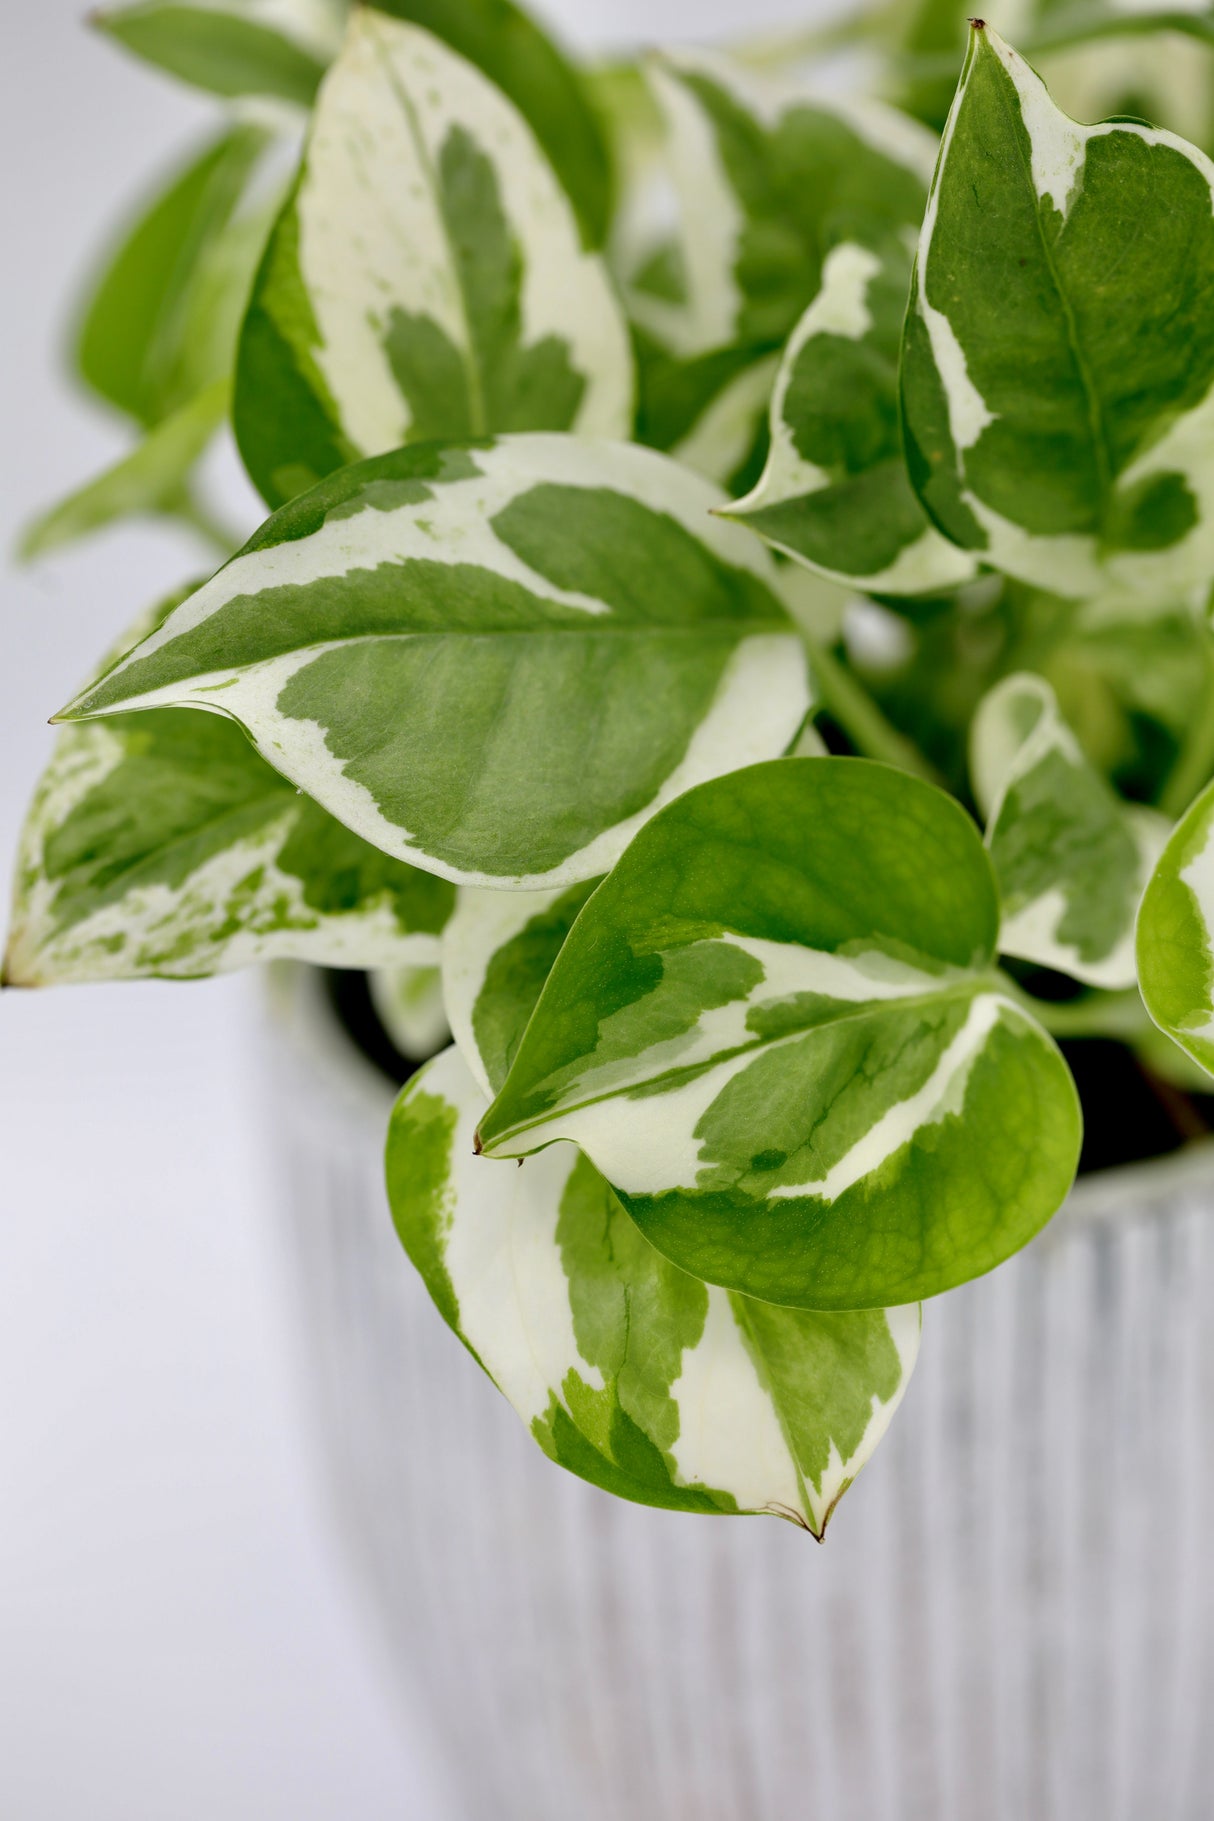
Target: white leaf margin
x=509 y=1283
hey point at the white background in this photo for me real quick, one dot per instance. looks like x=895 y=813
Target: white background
x=179 y=1640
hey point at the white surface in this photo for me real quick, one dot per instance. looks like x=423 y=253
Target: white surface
x=179 y=1640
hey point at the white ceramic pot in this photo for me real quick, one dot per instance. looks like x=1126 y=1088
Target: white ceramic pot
x=1012 y=1618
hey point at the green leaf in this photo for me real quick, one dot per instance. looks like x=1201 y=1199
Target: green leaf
x=162 y=320
x=776 y=1031
x=1176 y=935
x=495 y=662
x=627 y=1371
x=1057 y=368
x=1070 y=857
x=160 y=844
x=834 y=492
x=233 y=47
x=498 y=950
x=149 y=480
x=510 y=49
x=426 y=280
x=709 y=413
x=768 y=179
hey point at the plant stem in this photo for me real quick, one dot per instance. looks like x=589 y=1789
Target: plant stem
x=845 y=698
x=1096 y=1014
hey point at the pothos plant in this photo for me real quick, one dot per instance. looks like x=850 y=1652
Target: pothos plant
x=732 y=617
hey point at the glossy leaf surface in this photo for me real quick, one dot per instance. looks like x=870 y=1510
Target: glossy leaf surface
x=776 y=1030
x=426 y=280
x=627 y=1371
x=834 y=492
x=1058 y=362
x=495 y=662
x=1071 y=859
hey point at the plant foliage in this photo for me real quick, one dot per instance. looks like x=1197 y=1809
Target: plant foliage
x=618 y=427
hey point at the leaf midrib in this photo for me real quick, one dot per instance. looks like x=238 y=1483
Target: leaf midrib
x=665 y=1080
x=1096 y=425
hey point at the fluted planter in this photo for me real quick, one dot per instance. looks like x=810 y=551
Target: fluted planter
x=1012 y=1618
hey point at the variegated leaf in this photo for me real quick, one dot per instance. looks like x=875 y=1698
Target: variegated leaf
x=777 y=1031
x=500 y=947
x=1057 y=367
x=1071 y=859
x=627 y=1371
x=835 y=492
x=498 y=950
x=160 y=844
x=234 y=47
x=709 y=413
x=427 y=279
x=768 y=178
x=495 y=662
x=551 y=94
x=1176 y=935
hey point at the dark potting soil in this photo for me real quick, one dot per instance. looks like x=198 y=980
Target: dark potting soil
x=1130 y=1114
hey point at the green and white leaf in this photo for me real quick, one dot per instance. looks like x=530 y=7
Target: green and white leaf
x=234 y=47
x=160 y=322
x=160 y=844
x=495 y=663
x=1071 y=858
x=709 y=413
x=835 y=492
x=553 y=96
x=409 y=1003
x=777 y=1031
x=1176 y=935
x=627 y=1371
x=426 y=280
x=152 y=479
x=498 y=950
x=768 y=177
x=1057 y=368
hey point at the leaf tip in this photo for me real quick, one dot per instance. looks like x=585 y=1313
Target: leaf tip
x=477 y=1146
x=978 y=25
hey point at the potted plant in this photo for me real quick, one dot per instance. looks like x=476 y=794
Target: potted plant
x=725 y=686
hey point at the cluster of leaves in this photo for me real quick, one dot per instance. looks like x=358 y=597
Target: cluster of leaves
x=617 y=427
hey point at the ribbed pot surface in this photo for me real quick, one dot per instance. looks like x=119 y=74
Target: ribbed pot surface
x=1011 y=1619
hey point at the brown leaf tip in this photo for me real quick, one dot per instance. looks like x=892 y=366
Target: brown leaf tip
x=979 y=25
x=477 y=1146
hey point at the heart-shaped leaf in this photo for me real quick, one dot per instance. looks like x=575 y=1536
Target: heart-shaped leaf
x=768 y=176
x=494 y=662
x=1059 y=350
x=1070 y=857
x=834 y=491
x=426 y=280
x=627 y=1371
x=776 y=1030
